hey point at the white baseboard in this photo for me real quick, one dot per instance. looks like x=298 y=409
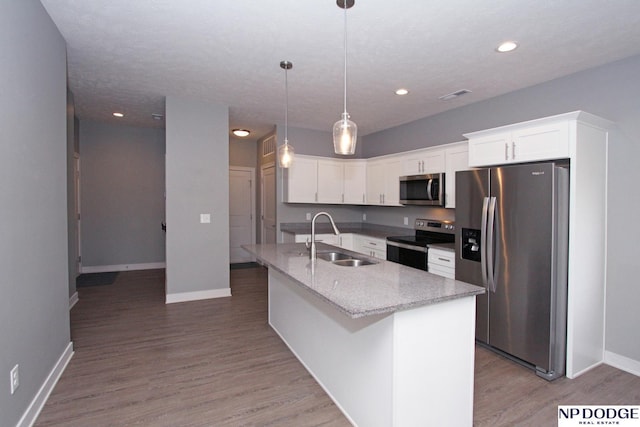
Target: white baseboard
x=31 y=414
x=73 y=300
x=622 y=362
x=122 y=267
x=198 y=295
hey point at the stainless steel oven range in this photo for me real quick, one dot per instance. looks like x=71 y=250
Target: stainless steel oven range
x=412 y=250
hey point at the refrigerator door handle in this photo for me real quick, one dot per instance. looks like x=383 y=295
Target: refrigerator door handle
x=483 y=241
x=489 y=242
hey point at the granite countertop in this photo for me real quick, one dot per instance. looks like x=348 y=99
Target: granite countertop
x=451 y=247
x=385 y=287
x=371 y=230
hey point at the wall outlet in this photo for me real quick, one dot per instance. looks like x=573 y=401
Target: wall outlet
x=14 y=377
x=205 y=218
x=364 y=217
x=308 y=216
x=406 y=220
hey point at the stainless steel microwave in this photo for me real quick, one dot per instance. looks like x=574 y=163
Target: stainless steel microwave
x=425 y=190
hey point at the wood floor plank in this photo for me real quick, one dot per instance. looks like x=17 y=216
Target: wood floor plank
x=140 y=362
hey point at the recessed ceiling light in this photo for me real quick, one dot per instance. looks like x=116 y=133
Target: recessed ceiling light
x=118 y=114
x=507 y=46
x=402 y=91
x=241 y=132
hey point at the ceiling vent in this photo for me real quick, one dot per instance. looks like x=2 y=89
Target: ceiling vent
x=454 y=94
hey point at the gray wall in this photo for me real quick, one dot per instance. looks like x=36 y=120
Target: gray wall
x=243 y=153
x=611 y=91
x=34 y=308
x=72 y=235
x=121 y=194
x=197 y=182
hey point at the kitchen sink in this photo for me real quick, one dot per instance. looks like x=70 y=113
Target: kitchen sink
x=344 y=260
x=333 y=256
x=353 y=262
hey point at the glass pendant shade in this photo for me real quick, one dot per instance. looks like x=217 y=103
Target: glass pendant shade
x=345 y=134
x=285 y=155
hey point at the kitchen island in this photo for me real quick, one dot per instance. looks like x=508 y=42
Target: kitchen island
x=391 y=345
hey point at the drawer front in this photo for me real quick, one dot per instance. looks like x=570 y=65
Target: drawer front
x=443 y=258
x=447 y=272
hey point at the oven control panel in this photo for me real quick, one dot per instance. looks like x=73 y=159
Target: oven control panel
x=439 y=226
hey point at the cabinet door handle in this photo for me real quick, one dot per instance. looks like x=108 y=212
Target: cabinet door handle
x=513 y=150
x=343 y=198
x=506 y=151
x=316 y=197
x=362 y=197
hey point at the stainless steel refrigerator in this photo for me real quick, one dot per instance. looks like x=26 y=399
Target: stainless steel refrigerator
x=512 y=239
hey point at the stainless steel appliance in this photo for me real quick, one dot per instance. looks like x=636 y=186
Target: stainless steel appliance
x=512 y=238
x=412 y=250
x=427 y=189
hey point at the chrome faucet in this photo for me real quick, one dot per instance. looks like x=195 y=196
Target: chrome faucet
x=312 y=246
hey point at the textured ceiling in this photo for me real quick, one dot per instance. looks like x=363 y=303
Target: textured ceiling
x=129 y=55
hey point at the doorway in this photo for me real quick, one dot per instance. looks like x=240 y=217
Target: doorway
x=242 y=224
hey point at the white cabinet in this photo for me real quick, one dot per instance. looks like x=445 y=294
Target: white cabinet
x=456 y=159
x=424 y=161
x=370 y=246
x=328 y=238
x=330 y=181
x=354 y=182
x=301 y=180
x=441 y=262
x=345 y=240
x=383 y=186
x=531 y=142
x=325 y=180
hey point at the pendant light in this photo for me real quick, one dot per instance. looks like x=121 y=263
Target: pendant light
x=345 y=132
x=285 y=151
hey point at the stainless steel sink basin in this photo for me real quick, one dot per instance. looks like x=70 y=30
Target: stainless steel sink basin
x=333 y=256
x=353 y=262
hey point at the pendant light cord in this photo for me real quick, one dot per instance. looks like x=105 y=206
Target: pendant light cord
x=286 y=108
x=345 y=56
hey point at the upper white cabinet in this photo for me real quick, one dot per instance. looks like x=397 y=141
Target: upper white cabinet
x=330 y=181
x=355 y=182
x=325 y=180
x=424 y=161
x=532 y=141
x=312 y=179
x=456 y=159
x=383 y=185
x=301 y=180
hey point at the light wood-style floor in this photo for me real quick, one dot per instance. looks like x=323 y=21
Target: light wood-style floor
x=217 y=363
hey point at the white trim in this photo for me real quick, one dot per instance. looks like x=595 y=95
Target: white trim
x=31 y=414
x=73 y=299
x=122 y=267
x=197 y=295
x=622 y=362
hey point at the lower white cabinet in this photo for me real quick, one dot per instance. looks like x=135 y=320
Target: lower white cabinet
x=328 y=238
x=370 y=246
x=442 y=262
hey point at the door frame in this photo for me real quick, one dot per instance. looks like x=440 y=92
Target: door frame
x=263 y=167
x=252 y=171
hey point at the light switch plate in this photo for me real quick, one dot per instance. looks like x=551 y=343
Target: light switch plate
x=308 y=216
x=406 y=220
x=205 y=218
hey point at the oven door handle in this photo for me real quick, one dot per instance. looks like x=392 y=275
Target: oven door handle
x=405 y=246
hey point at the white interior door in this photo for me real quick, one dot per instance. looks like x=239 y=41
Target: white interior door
x=242 y=229
x=268 y=205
